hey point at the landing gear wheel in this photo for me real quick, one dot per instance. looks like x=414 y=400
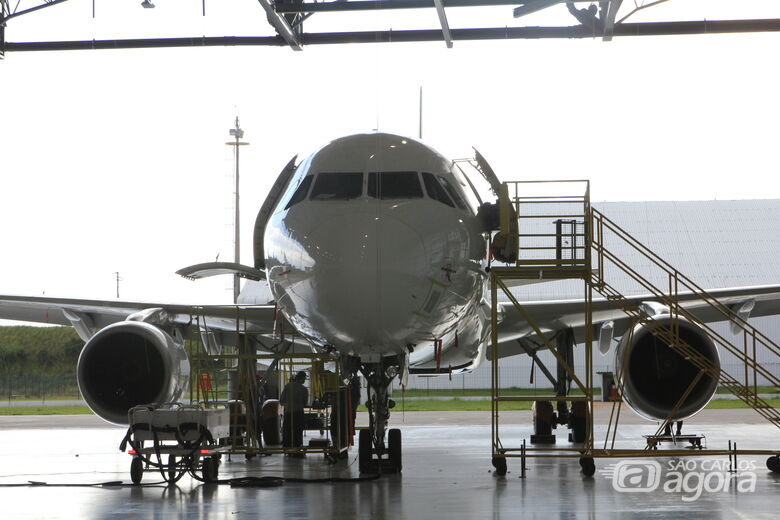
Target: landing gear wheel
x=773 y=463
x=364 y=451
x=578 y=421
x=136 y=470
x=172 y=467
x=500 y=464
x=210 y=469
x=394 y=448
x=588 y=466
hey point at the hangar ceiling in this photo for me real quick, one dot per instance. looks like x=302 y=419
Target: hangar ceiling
x=603 y=19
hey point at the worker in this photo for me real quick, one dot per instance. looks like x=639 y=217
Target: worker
x=668 y=429
x=354 y=386
x=294 y=398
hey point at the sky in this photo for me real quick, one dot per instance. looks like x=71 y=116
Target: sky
x=114 y=161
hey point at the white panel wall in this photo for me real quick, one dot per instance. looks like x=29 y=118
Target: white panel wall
x=516 y=371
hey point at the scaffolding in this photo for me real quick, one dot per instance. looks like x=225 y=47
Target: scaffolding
x=580 y=247
x=224 y=372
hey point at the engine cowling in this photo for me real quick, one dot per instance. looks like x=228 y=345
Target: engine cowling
x=656 y=376
x=131 y=363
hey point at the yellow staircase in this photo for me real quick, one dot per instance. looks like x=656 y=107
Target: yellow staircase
x=581 y=247
x=754 y=342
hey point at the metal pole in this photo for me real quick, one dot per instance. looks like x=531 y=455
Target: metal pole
x=238 y=133
x=237 y=226
x=419 y=118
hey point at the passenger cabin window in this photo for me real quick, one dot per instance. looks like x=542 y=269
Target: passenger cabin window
x=435 y=190
x=337 y=186
x=300 y=193
x=394 y=185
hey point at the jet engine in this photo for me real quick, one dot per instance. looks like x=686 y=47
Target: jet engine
x=655 y=376
x=131 y=363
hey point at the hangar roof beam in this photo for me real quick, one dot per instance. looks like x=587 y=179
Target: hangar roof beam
x=445 y=26
x=282 y=25
x=366 y=5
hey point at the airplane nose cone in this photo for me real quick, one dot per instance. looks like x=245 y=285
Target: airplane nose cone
x=369 y=276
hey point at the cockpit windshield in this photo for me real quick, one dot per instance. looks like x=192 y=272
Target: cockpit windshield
x=301 y=191
x=394 y=185
x=452 y=191
x=435 y=190
x=337 y=186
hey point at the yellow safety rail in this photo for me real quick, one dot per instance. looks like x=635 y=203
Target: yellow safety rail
x=754 y=342
x=580 y=246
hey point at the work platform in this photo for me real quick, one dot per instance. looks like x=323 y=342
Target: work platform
x=238 y=378
x=558 y=235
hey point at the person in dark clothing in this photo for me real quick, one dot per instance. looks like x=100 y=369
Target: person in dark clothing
x=294 y=398
x=354 y=386
x=668 y=429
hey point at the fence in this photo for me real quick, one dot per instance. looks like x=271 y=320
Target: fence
x=16 y=387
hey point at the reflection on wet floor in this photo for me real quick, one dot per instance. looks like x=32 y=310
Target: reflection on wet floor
x=447 y=474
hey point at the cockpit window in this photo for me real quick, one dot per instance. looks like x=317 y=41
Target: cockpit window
x=394 y=185
x=435 y=190
x=337 y=186
x=452 y=192
x=300 y=193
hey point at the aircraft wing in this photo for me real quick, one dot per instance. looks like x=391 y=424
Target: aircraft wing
x=87 y=316
x=551 y=316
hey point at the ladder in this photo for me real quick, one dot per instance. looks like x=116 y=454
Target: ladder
x=754 y=342
x=582 y=247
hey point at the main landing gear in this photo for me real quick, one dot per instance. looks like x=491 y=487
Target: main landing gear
x=773 y=463
x=375 y=453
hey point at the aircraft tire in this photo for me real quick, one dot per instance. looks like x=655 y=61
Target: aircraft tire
x=500 y=464
x=172 y=467
x=395 y=448
x=588 y=466
x=773 y=463
x=364 y=451
x=136 y=470
x=210 y=469
x=579 y=421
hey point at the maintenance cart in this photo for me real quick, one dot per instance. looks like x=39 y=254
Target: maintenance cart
x=695 y=441
x=183 y=438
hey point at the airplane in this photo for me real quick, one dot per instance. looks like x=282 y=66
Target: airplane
x=372 y=246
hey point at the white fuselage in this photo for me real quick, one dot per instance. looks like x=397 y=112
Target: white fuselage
x=374 y=247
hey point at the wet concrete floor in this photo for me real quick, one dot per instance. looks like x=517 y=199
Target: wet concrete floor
x=447 y=474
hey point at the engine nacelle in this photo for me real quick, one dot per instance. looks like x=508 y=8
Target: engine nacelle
x=656 y=376
x=131 y=363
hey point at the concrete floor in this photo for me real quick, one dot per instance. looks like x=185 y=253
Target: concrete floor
x=447 y=474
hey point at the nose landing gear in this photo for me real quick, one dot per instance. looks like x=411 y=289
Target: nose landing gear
x=371 y=460
x=374 y=454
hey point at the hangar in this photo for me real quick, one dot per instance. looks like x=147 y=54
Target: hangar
x=451 y=504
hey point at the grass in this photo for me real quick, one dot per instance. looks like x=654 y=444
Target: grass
x=39 y=398
x=461 y=405
x=421 y=405
x=761 y=390
x=725 y=404
x=45 y=410
x=422 y=392
x=475 y=392
x=451 y=405
x=461 y=392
